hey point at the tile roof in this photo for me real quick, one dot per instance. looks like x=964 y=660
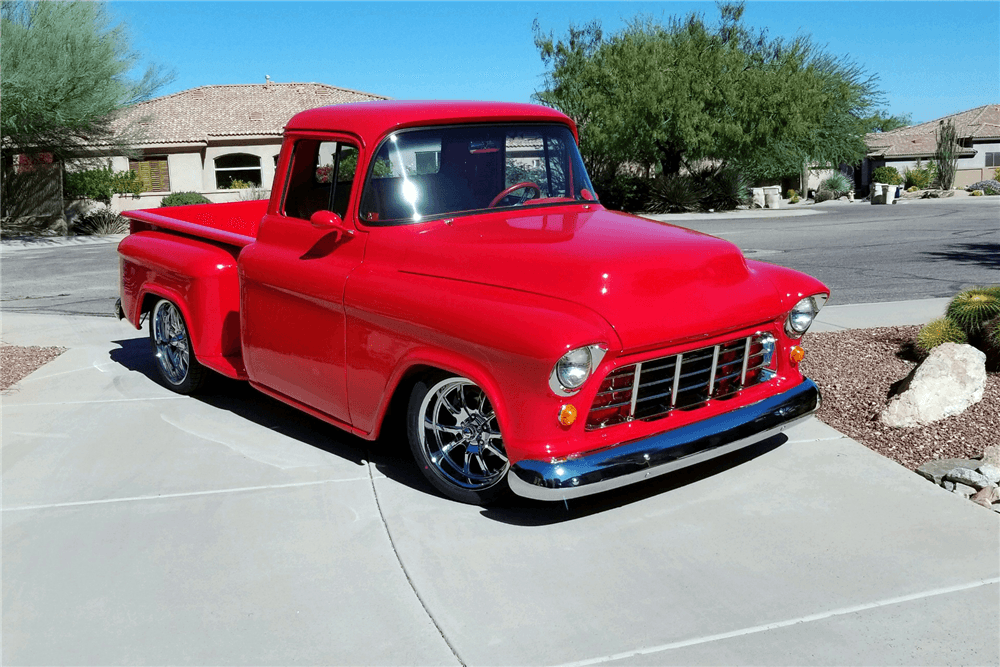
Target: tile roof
x=200 y=114
x=921 y=140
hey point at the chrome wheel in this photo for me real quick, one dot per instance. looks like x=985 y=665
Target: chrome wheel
x=170 y=339
x=460 y=437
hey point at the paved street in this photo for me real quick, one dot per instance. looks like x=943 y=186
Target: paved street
x=865 y=253
x=910 y=250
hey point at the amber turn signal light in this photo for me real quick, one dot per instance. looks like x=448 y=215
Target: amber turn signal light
x=796 y=354
x=567 y=414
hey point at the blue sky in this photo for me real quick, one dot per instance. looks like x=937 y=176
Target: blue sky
x=932 y=58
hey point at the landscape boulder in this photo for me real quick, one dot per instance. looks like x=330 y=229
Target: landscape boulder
x=952 y=378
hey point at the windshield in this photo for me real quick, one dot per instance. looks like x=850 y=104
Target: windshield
x=430 y=173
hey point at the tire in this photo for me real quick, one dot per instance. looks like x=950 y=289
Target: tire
x=456 y=441
x=175 y=358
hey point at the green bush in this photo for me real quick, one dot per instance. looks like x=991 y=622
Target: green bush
x=888 y=175
x=976 y=193
x=791 y=194
x=100 y=184
x=824 y=195
x=679 y=193
x=838 y=184
x=794 y=199
x=183 y=199
x=624 y=193
x=938 y=332
x=918 y=179
x=724 y=189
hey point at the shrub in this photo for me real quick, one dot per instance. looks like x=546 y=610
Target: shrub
x=838 y=184
x=791 y=194
x=972 y=308
x=676 y=194
x=794 y=199
x=624 y=193
x=824 y=195
x=939 y=331
x=100 y=184
x=918 y=179
x=102 y=222
x=888 y=175
x=724 y=189
x=183 y=199
x=976 y=193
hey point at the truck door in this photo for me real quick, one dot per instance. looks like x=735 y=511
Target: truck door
x=293 y=277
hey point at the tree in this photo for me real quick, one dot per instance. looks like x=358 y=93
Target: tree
x=881 y=121
x=65 y=75
x=676 y=94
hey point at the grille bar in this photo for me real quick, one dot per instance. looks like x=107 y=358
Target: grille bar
x=684 y=381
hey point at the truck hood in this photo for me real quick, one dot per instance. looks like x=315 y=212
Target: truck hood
x=655 y=283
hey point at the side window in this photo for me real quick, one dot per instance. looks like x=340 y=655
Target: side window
x=320 y=178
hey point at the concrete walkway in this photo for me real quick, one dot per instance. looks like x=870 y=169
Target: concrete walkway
x=142 y=527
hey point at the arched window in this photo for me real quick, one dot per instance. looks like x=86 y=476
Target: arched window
x=237 y=167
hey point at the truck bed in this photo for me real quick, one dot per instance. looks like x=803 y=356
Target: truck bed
x=233 y=223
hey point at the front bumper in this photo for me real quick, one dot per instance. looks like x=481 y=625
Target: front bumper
x=642 y=459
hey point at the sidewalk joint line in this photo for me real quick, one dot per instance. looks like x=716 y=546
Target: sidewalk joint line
x=187 y=494
x=406 y=573
x=782 y=624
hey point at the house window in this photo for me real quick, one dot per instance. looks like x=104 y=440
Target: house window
x=993 y=159
x=237 y=167
x=153 y=173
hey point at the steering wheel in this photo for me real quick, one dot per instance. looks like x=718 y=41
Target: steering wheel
x=516 y=186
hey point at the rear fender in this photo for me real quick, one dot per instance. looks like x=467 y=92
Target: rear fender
x=197 y=276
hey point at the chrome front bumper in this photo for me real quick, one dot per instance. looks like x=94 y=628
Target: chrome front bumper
x=643 y=459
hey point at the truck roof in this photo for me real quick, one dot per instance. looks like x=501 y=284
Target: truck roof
x=371 y=120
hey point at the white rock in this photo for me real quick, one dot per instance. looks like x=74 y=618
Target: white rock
x=990 y=472
x=964 y=490
x=967 y=477
x=992 y=455
x=952 y=378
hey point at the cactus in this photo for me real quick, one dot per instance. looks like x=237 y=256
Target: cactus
x=942 y=330
x=973 y=307
x=991 y=343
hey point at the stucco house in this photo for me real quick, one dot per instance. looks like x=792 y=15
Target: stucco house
x=979 y=141
x=200 y=140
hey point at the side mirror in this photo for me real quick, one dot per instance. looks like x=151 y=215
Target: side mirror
x=330 y=220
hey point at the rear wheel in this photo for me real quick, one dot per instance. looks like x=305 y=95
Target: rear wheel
x=172 y=348
x=455 y=438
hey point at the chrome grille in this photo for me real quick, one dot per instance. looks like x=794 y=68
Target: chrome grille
x=653 y=388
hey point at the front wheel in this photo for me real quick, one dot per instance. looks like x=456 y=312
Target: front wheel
x=172 y=348
x=455 y=439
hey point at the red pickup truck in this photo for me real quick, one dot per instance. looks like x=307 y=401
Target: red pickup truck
x=454 y=260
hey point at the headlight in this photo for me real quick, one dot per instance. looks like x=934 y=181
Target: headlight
x=802 y=315
x=573 y=369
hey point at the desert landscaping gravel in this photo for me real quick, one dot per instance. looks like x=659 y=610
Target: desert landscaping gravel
x=856 y=371
x=18 y=362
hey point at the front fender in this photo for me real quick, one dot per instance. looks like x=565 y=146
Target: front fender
x=505 y=340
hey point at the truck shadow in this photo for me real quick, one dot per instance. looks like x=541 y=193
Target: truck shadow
x=390 y=453
x=530 y=513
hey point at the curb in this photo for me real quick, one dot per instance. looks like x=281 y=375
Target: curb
x=45 y=242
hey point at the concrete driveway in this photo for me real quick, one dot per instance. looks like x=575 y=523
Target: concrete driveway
x=141 y=527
